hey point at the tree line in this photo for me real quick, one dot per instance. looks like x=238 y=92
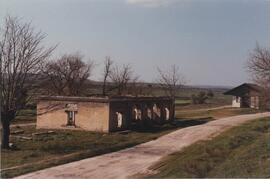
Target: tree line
x=24 y=59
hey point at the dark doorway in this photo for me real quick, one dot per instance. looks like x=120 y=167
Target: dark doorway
x=245 y=102
x=70 y=118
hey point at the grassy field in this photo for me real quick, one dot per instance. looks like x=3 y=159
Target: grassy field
x=182 y=102
x=66 y=145
x=213 y=113
x=185 y=103
x=240 y=152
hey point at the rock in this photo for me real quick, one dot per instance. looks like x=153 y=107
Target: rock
x=23 y=137
x=11 y=145
x=43 y=133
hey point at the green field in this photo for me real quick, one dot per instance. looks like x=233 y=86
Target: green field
x=240 y=152
x=213 y=113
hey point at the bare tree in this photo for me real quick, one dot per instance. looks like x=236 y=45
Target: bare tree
x=259 y=67
x=67 y=75
x=171 y=81
x=21 y=53
x=107 y=71
x=121 y=76
x=135 y=87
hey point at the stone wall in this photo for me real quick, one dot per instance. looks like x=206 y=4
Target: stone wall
x=130 y=110
x=102 y=114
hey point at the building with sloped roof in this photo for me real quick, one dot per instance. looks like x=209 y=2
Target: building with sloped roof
x=246 y=95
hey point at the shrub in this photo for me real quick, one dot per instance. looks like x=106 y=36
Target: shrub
x=199 y=98
x=210 y=94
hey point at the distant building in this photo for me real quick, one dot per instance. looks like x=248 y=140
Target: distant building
x=246 y=95
x=101 y=114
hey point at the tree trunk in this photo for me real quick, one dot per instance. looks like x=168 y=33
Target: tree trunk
x=104 y=88
x=5 y=134
x=6 y=117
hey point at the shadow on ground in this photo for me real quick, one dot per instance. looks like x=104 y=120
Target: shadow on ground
x=178 y=123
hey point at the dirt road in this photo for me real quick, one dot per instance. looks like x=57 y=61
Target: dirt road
x=138 y=159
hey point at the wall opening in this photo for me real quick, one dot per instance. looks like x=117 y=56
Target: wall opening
x=149 y=113
x=136 y=113
x=71 y=110
x=119 y=117
x=156 y=111
x=70 y=118
x=167 y=114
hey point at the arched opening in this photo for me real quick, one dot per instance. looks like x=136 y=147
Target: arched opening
x=167 y=114
x=119 y=118
x=136 y=113
x=156 y=112
x=149 y=113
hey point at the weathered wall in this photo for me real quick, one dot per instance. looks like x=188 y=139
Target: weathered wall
x=254 y=99
x=92 y=116
x=255 y=102
x=102 y=114
x=140 y=111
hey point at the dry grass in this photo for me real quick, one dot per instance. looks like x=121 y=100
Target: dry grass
x=66 y=145
x=240 y=152
x=214 y=114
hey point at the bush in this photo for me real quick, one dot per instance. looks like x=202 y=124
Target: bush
x=199 y=98
x=210 y=94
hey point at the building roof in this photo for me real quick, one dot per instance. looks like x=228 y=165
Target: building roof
x=101 y=99
x=243 y=89
x=139 y=98
x=73 y=98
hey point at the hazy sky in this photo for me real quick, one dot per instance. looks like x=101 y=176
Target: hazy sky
x=208 y=39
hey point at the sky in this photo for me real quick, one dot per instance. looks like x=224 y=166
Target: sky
x=210 y=40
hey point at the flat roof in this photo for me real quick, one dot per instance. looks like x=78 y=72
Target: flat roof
x=139 y=98
x=73 y=98
x=102 y=99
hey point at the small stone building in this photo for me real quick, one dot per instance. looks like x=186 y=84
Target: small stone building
x=246 y=95
x=101 y=114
